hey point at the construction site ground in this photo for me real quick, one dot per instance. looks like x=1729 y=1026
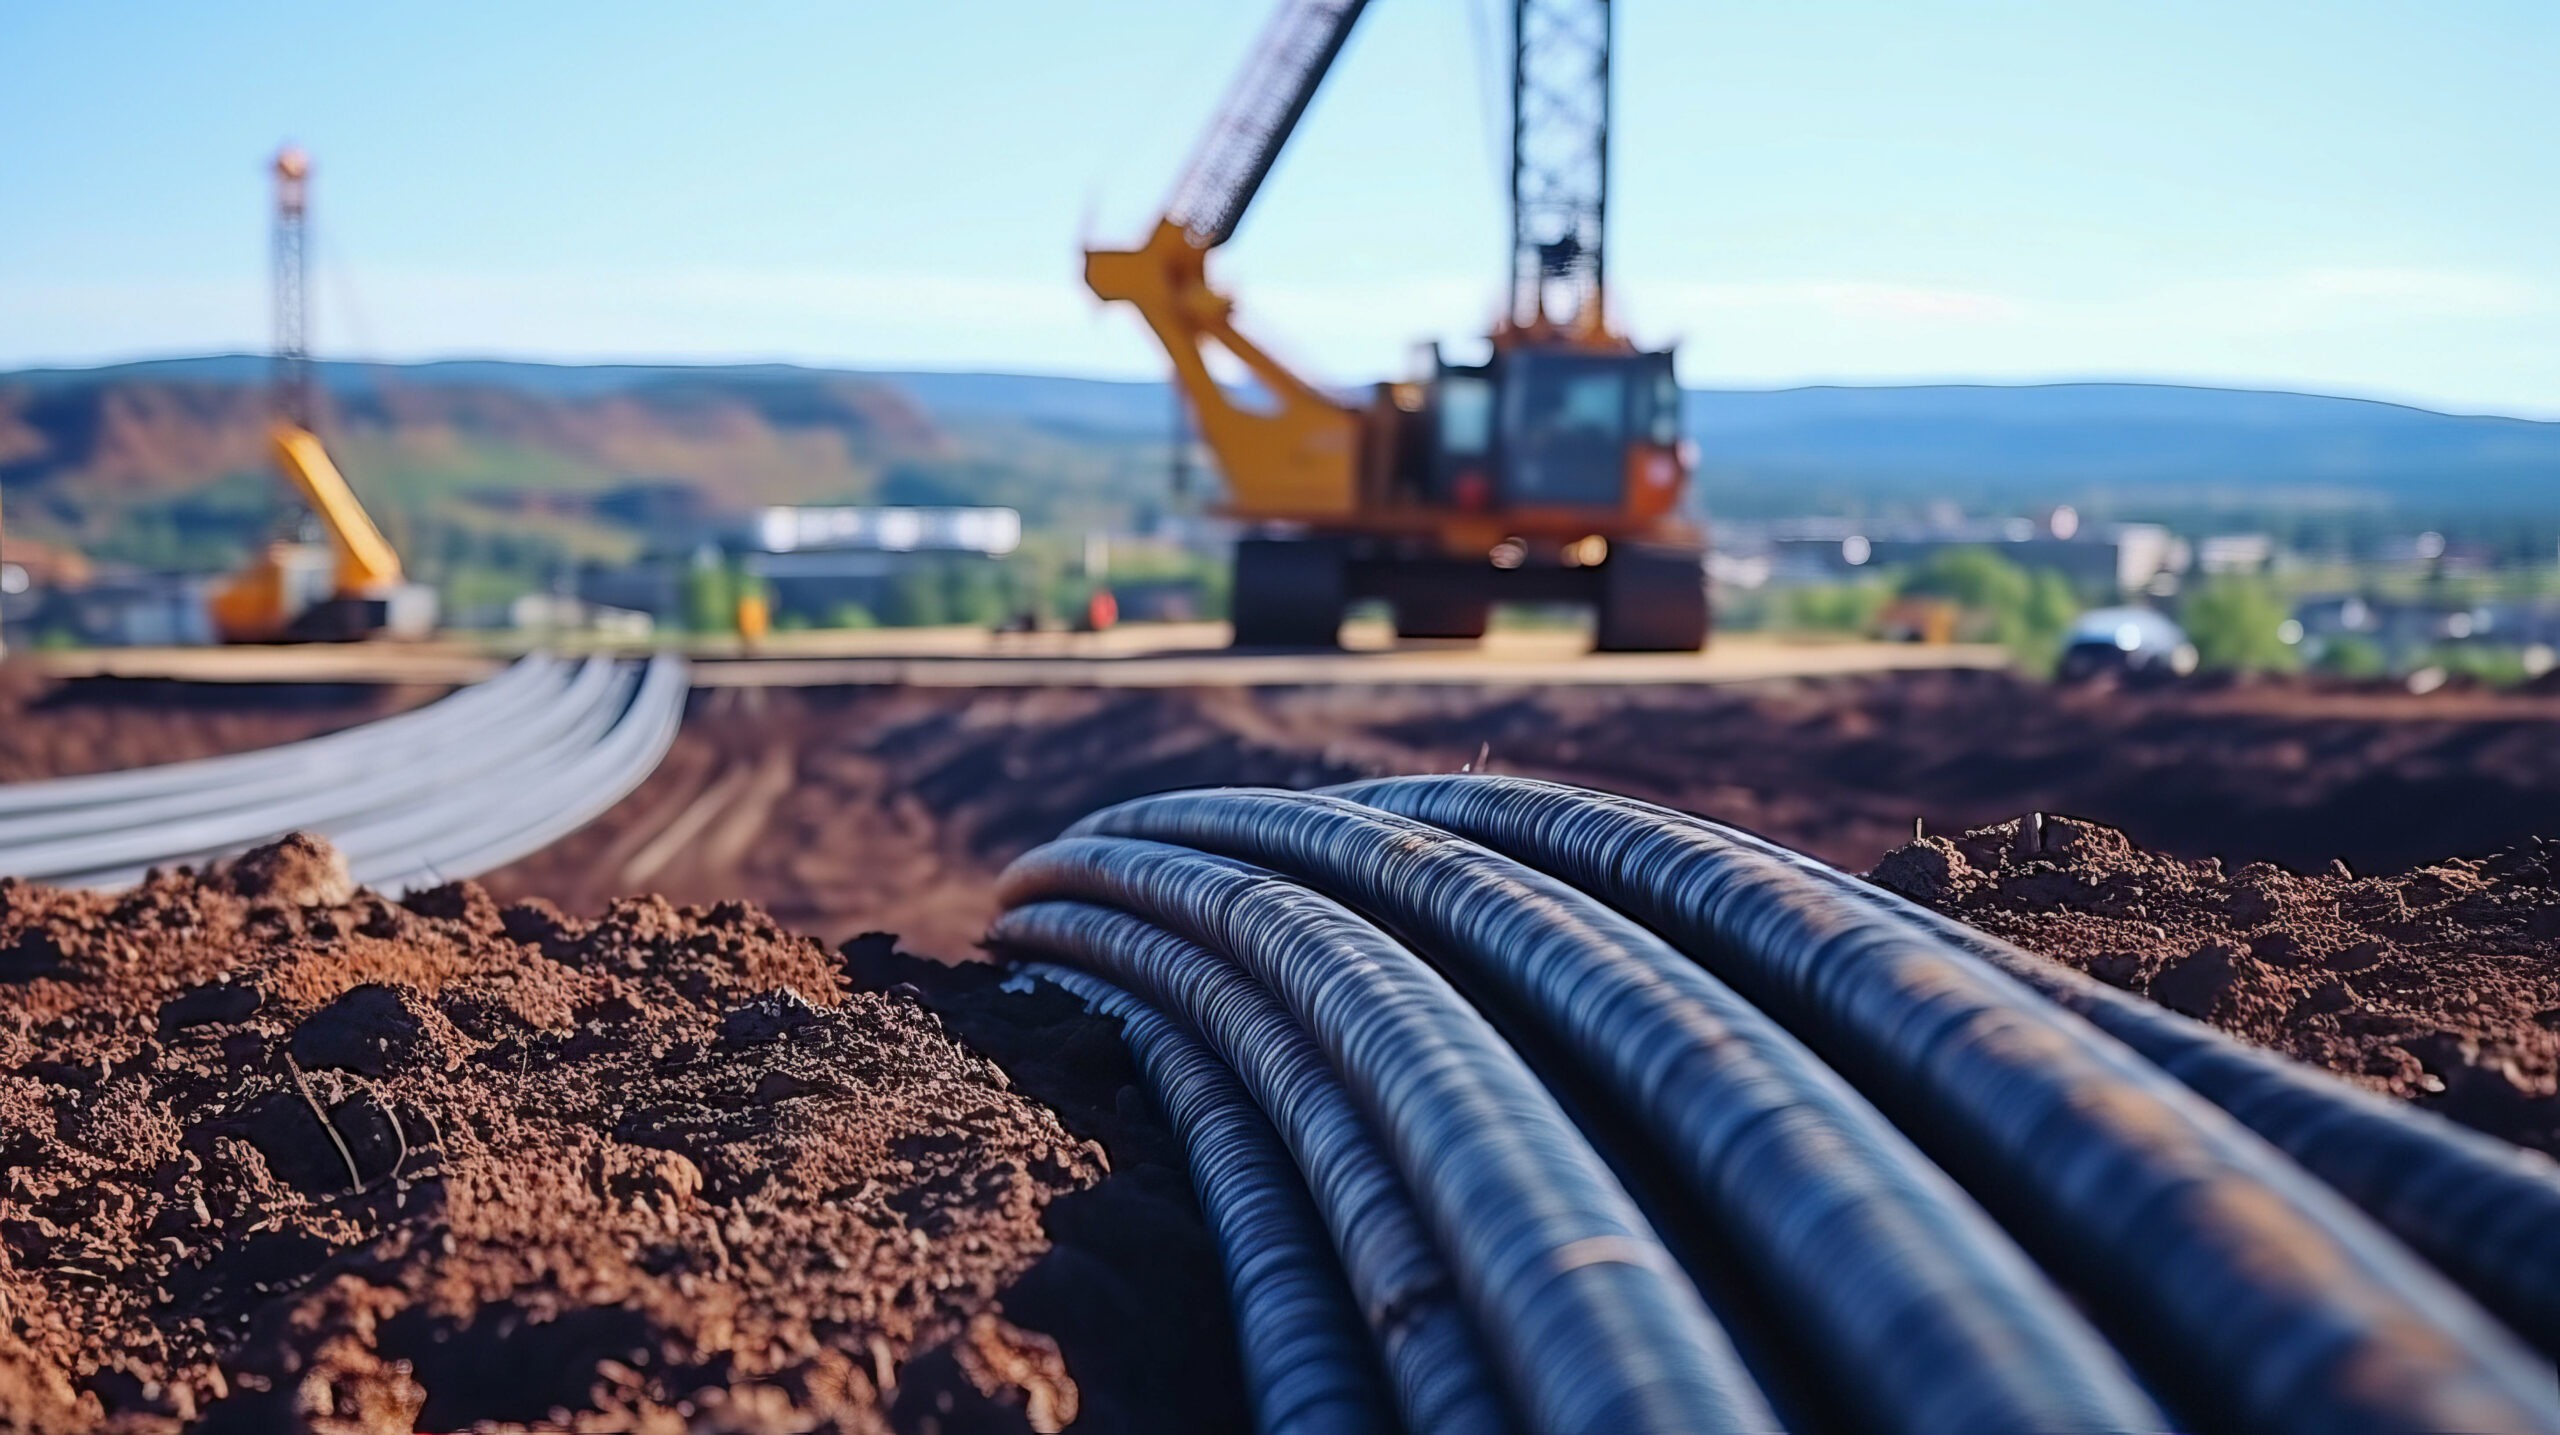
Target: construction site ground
x=646 y=1133
x=851 y=807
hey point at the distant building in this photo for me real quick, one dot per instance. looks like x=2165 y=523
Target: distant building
x=991 y=531
x=2124 y=557
x=558 y=613
x=2395 y=625
x=815 y=561
x=118 y=609
x=2235 y=553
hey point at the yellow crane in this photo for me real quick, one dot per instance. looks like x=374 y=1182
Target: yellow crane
x=341 y=580
x=1554 y=472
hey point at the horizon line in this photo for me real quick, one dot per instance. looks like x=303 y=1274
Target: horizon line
x=2272 y=387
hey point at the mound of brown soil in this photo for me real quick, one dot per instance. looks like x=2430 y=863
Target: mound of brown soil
x=2439 y=985
x=285 y=1156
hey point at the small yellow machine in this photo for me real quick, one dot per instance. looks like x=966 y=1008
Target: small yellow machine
x=338 y=580
x=346 y=587
x=1554 y=472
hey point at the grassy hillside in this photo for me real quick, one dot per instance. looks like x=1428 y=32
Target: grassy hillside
x=491 y=477
x=482 y=467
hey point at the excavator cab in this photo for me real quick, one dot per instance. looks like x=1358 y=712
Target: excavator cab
x=1550 y=474
x=1555 y=429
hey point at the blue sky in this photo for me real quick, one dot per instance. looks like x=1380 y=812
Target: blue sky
x=2340 y=195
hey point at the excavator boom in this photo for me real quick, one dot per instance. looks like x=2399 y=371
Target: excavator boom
x=1261 y=112
x=366 y=564
x=1299 y=457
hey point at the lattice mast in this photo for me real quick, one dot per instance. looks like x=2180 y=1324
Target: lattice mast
x=1559 y=167
x=292 y=375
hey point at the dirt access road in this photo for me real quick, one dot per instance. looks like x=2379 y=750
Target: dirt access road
x=1168 y=655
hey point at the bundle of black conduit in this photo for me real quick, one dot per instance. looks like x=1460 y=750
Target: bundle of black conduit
x=1518 y=1107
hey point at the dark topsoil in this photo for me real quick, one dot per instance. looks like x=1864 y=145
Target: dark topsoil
x=2439 y=985
x=848 y=807
x=284 y=1155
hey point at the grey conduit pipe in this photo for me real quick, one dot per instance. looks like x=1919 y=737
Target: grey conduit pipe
x=253 y=769
x=1587 y=1318
x=1308 y=1365
x=516 y=696
x=1433 y=1360
x=1900 y=1293
x=484 y=785
x=2240 y=1283
x=436 y=766
x=552 y=804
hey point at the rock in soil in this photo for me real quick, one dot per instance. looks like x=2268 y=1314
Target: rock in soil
x=281 y=1158
x=2439 y=985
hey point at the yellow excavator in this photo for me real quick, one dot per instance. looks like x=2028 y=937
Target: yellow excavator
x=337 y=580
x=1553 y=472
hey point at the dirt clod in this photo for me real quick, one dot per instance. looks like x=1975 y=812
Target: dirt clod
x=768 y=1017
x=373 y=1030
x=299 y=870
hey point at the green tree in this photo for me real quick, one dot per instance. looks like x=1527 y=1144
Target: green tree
x=1834 y=607
x=973 y=592
x=2495 y=664
x=1973 y=578
x=2235 y=624
x=2026 y=612
x=2052 y=606
x=710 y=598
x=914 y=600
x=2350 y=656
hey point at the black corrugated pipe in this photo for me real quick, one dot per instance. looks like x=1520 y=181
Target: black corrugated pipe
x=2486 y=1212
x=1308 y=1364
x=1901 y=1295
x=2483 y=1211
x=1590 y=1323
x=2253 y=1292
x=1433 y=1360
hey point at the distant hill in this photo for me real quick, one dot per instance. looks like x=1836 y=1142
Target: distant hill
x=164 y=463
x=160 y=461
x=1114 y=407
x=2121 y=444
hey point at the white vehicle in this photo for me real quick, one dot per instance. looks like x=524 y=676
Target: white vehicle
x=2125 y=640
